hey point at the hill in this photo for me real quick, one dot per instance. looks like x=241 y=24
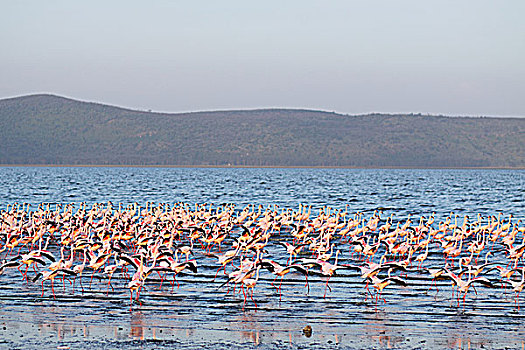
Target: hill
x=47 y=129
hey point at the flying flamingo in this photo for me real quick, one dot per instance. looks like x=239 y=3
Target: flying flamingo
x=380 y=284
x=280 y=271
x=517 y=286
x=463 y=286
x=327 y=269
x=50 y=275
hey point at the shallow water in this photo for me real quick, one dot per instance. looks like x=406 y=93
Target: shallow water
x=199 y=314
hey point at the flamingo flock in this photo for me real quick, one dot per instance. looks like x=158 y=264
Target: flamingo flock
x=160 y=241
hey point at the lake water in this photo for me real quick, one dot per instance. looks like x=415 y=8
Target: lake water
x=200 y=314
x=400 y=191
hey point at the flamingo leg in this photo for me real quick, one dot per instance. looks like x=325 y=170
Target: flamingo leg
x=110 y=285
x=369 y=293
x=27 y=268
x=138 y=294
x=279 y=289
x=158 y=273
x=91 y=280
x=251 y=296
x=172 y=284
x=244 y=304
x=327 y=286
x=23 y=274
x=431 y=282
x=307 y=285
x=220 y=268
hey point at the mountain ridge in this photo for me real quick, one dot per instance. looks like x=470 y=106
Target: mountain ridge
x=129 y=109
x=55 y=130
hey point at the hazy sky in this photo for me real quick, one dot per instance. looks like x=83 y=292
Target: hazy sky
x=450 y=57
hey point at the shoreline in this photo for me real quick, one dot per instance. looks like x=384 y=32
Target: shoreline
x=250 y=166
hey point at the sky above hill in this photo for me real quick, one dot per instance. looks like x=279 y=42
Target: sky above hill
x=439 y=57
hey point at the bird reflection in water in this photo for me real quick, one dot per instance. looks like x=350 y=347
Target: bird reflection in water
x=388 y=341
x=253 y=336
x=63 y=331
x=459 y=343
x=379 y=332
x=250 y=331
x=189 y=332
x=137 y=326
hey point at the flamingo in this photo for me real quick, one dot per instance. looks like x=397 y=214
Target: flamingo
x=50 y=275
x=517 y=286
x=327 y=269
x=291 y=249
x=78 y=269
x=380 y=284
x=280 y=271
x=463 y=286
x=8 y=264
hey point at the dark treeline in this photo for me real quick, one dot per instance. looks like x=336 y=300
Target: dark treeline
x=46 y=129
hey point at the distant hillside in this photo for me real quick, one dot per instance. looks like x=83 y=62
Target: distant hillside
x=46 y=129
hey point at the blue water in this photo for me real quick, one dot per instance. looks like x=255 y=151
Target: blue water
x=198 y=314
x=398 y=191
